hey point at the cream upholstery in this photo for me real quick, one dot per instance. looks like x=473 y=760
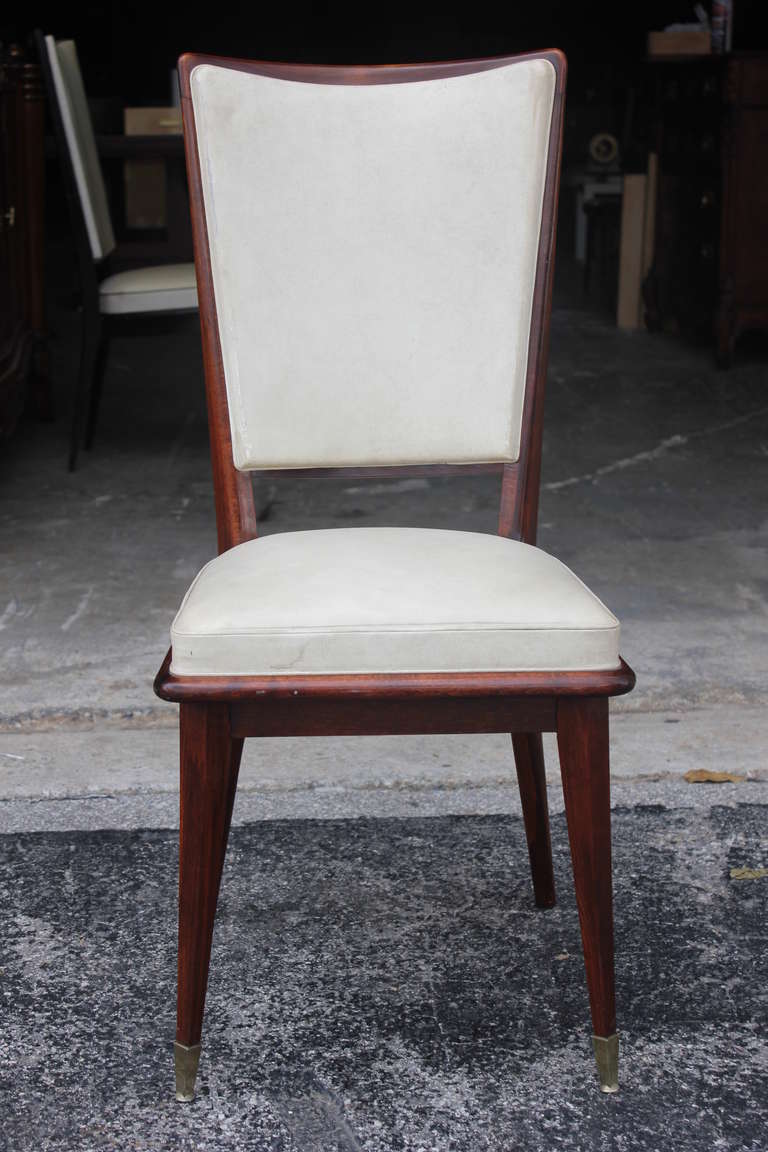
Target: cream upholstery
x=389 y=600
x=162 y=288
x=373 y=251
x=81 y=142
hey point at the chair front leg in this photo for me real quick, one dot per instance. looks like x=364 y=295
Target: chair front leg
x=532 y=780
x=582 y=737
x=210 y=761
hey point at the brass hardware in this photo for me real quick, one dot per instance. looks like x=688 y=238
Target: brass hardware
x=186 y=1060
x=607 y=1057
x=10 y=216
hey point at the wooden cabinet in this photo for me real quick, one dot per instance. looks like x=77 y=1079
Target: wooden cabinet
x=709 y=277
x=743 y=283
x=21 y=235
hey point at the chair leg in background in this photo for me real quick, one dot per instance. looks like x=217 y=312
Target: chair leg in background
x=210 y=761
x=89 y=349
x=96 y=385
x=531 y=777
x=582 y=736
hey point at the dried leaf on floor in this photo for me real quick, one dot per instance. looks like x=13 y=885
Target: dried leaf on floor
x=707 y=776
x=748 y=873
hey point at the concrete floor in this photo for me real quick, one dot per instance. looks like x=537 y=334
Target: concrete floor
x=386 y=985
x=654 y=484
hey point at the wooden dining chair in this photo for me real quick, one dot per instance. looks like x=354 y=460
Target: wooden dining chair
x=374 y=250
x=107 y=294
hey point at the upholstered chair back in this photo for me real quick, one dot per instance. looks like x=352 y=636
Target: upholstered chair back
x=81 y=143
x=374 y=251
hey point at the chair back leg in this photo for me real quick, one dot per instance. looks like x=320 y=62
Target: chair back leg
x=96 y=384
x=582 y=737
x=89 y=352
x=531 y=777
x=210 y=761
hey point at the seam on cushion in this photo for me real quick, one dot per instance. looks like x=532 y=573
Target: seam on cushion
x=416 y=629
x=409 y=671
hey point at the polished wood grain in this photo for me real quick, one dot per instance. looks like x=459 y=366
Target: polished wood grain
x=233 y=490
x=360 y=73
x=396 y=716
x=519 y=510
x=210 y=761
x=582 y=738
x=532 y=781
x=401 y=685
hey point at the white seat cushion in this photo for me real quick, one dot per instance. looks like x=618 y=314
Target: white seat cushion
x=160 y=288
x=389 y=600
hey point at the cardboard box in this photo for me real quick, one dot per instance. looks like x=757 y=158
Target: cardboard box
x=145 y=179
x=691 y=42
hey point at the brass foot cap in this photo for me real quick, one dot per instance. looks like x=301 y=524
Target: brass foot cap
x=186 y=1059
x=607 y=1057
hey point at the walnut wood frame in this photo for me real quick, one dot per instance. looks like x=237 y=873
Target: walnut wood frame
x=219 y=712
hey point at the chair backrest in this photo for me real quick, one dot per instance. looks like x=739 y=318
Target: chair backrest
x=81 y=144
x=374 y=250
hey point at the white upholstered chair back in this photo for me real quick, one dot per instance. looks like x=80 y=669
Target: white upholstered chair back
x=81 y=143
x=373 y=251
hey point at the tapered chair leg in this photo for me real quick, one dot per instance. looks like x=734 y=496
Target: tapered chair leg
x=531 y=777
x=582 y=736
x=210 y=761
x=89 y=348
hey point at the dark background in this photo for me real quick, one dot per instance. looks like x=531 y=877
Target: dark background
x=127 y=47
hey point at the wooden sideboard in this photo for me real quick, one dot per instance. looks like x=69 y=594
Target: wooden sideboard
x=709 y=277
x=22 y=347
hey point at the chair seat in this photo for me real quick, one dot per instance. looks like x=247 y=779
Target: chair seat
x=368 y=600
x=159 y=288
